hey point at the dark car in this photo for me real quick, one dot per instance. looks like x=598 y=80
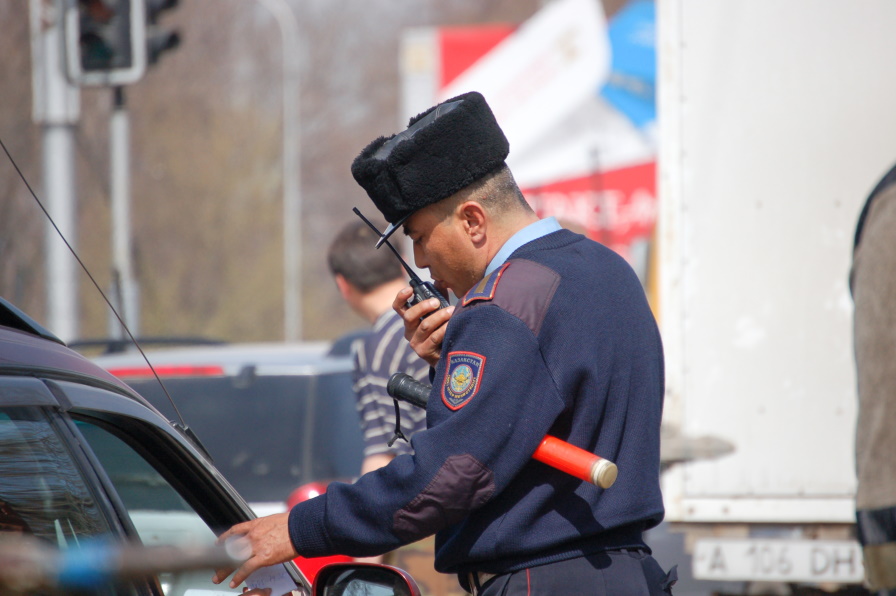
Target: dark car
x=86 y=461
x=273 y=416
x=278 y=419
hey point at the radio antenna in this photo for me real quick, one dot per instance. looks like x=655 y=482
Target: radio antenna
x=183 y=424
x=386 y=240
x=422 y=289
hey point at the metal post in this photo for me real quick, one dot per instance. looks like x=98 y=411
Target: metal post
x=60 y=200
x=56 y=108
x=292 y=205
x=125 y=291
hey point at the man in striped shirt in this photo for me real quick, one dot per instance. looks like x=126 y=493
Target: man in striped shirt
x=368 y=280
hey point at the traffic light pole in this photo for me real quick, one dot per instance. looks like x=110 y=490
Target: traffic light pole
x=124 y=284
x=292 y=198
x=61 y=202
x=56 y=109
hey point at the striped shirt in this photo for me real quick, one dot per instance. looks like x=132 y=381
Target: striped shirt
x=378 y=356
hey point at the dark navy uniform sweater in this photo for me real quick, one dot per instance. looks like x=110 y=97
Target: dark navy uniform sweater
x=559 y=340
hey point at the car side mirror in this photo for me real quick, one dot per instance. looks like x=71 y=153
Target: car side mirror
x=363 y=579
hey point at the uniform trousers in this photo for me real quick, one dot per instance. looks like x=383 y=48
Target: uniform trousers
x=627 y=572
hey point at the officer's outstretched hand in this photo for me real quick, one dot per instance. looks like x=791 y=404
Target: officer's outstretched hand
x=424 y=335
x=261 y=542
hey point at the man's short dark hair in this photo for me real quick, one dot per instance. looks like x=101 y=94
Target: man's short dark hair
x=497 y=192
x=352 y=255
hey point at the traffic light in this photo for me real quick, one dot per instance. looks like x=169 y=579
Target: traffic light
x=159 y=40
x=105 y=41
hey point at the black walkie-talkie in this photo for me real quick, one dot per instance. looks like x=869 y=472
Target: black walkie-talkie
x=423 y=290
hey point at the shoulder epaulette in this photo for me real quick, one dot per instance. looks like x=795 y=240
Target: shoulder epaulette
x=485 y=289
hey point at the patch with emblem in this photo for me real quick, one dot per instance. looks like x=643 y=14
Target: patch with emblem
x=463 y=375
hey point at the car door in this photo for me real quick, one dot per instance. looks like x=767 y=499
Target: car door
x=116 y=468
x=48 y=501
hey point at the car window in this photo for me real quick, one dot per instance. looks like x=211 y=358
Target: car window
x=43 y=494
x=268 y=434
x=159 y=514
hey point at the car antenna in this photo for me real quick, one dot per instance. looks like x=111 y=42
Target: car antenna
x=183 y=424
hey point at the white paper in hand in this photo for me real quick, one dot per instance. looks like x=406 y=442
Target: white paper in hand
x=274 y=577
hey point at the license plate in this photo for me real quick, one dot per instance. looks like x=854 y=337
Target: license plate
x=778 y=560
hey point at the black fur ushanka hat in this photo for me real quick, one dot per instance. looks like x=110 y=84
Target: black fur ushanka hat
x=443 y=150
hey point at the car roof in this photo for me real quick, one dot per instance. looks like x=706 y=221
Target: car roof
x=293 y=358
x=12 y=316
x=28 y=352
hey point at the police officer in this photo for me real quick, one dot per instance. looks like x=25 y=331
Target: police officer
x=551 y=334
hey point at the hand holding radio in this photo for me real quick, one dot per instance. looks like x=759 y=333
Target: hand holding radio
x=425 y=324
x=425 y=336
x=424 y=290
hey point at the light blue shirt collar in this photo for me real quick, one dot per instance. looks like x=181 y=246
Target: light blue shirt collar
x=533 y=231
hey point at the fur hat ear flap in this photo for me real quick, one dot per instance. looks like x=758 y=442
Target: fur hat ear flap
x=443 y=150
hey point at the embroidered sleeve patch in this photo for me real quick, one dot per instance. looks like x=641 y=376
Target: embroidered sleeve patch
x=463 y=375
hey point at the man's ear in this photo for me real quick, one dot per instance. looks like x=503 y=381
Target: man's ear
x=475 y=221
x=345 y=288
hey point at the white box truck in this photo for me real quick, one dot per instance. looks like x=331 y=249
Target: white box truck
x=776 y=119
